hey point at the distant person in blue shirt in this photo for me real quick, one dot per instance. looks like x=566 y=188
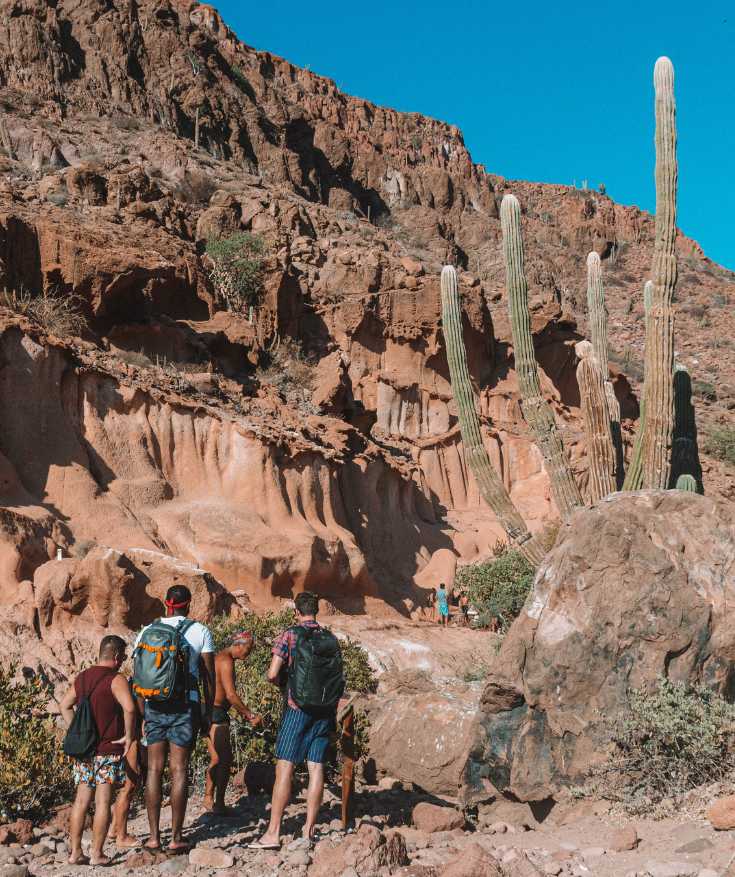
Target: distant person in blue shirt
x=442 y=604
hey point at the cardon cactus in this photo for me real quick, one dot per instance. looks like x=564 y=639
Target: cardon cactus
x=687 y=482
x=536 y=410
x=658 y=388
x=489 y=482
x=600 y=450
x=598 y=332
x=634 y=475
x=684 y=452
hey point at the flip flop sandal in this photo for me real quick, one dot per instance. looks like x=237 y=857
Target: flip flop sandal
x=260 y=846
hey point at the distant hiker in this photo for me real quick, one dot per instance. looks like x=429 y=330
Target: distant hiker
x=442 y=604
x=218 y=742
x=99 y=713
x=432 y=606
x=310 y=659
x=464 y=605
x=170 y=656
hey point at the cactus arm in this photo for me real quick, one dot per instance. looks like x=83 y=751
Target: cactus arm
x=489 y=482
x=684 y=450
x=686 y=482
x=596 y=418
x=536 y=410
x=658 y=388
x=634 y=475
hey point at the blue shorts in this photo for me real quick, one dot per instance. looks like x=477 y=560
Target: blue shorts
x=302 y=737
x=178 y=726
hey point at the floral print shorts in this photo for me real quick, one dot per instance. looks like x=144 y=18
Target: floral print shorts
x=100 y=770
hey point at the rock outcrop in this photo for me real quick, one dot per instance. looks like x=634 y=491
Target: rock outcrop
x=638 y=587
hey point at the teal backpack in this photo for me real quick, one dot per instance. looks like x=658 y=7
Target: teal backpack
x=161 y=663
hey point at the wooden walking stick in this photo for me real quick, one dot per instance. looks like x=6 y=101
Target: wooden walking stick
x=347 y=719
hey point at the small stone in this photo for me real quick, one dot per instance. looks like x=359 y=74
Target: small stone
x=671 y=869
x=498 y=828
x=38 y=850
x=698 y=845
x=722 y=813
x=593 y=852
x=510 y=856
x=552 y=868
x=210 y=857
x=568 y=846
x=387 y=784
x=625 y=838
x=13 y=870
x=174 y=866
x=432 y=818
x=298 y=859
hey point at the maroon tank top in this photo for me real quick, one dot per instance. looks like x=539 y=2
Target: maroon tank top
x=96 y=682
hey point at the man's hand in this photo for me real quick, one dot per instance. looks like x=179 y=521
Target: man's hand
x=255 y=721
x=125 y=742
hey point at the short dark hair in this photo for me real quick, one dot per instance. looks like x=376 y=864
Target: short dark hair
x=178 y=594
x=307 y=603
x=111 y=645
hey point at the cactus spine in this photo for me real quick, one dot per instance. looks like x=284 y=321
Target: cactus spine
x=596 y=417
x=536 y=410
x=634 y=475
x=687 y=482
x=684 y=451
x=598 y=331
x=658 y=388
x=489 y=482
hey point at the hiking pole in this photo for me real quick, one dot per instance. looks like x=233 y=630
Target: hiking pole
x=347 y=717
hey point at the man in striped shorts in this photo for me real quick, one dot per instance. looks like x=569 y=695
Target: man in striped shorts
x=301 y=736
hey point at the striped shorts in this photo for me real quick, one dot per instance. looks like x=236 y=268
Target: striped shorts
x=302 y=737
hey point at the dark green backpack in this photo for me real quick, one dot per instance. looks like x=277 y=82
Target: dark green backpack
x=161 y=663
x=316 y=675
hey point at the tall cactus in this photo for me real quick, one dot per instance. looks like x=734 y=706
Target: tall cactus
x=658 y=389
x=596 y=417
x=634 y=475
x=536 y=410
x=598 y=332
x=684 y=451
x=489 y=482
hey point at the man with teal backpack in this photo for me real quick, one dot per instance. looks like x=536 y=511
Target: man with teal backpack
x=170 y=657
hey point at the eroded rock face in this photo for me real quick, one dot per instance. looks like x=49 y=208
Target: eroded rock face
x=638 y=586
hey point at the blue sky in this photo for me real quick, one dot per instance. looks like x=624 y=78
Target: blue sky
x=555 y=92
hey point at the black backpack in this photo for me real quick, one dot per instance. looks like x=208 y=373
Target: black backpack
x=82 y=737
x=316 y=676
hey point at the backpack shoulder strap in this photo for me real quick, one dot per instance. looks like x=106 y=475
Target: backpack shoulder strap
x=184 y=626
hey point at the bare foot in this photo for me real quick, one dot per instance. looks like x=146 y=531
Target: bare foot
x=209 y=803
x=178 y=846
x=102 y=861
x=153 y=845
x=127 y=843
x=78 y=859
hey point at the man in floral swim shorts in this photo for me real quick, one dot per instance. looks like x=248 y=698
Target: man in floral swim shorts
x=114 y=715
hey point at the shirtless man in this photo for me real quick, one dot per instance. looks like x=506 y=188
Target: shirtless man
x=218 y=742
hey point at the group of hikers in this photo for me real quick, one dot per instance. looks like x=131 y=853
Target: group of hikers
x=121 y=730
x=442 y=601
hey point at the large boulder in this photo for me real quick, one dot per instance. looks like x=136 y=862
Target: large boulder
x=637 y=587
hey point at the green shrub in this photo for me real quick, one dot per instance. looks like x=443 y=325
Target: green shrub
x=264 y=698
x=671 y=740
x=720 y=443
x=35 y=775
x=237 y=266
x=498 y=589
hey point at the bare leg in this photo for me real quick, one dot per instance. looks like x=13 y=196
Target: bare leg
x=281 y=795
x=224 y=749
x=82 y=802
x=156 y=762
x=210 y=779
x=121 y=809
x=313 y=796
x=102 y=804
x=178 y=766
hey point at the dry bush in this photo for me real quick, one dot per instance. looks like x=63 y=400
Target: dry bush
x=56 y=312
x=289 y=371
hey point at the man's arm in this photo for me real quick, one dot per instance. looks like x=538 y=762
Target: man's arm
x=121 y=692
x=227 y=678
x=67 y=706
x=274 y=671
x=206 y=670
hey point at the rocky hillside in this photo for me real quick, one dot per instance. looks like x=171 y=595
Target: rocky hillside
x=310 y=440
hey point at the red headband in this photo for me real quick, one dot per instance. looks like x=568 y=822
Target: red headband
x=172 y=605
